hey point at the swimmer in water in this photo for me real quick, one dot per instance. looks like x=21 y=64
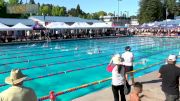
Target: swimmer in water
x=99 y=51
x=76 y=48
x=33 y=45
x=45 y=45
x=90 y=51
x=144 y=61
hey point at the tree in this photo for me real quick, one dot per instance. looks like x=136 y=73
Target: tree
x=78 y=10
x=31 y=2
x=171 y=7
x=55 y=10
x=1 y=3
x=13 y=2
x=62 y=12
x=95 y=16
x=89 y=16
x=45 y=10
x=72 y=12
x=101 y=13
x=150 y=10
x=177 y=11
x=110 y=14
x=2 y=8
x=20 y=2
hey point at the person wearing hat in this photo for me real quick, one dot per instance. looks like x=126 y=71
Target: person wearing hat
x=17 y=92
x=128 y=62
x=170 y=74
x=118 y=78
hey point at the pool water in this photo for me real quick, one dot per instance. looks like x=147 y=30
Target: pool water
x=39 y=60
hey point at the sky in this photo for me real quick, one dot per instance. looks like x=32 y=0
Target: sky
x=90 y=6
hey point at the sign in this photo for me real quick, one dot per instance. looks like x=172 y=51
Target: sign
x=22 y=8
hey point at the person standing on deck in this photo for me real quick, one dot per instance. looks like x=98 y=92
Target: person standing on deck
x=17 y=92
x=128 y=62
x=170 y=74
x=118 y=78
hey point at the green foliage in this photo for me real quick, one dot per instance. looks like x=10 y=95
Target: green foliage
x=20 y=2
x=31 y=2
x=1 y=3
x=101 y=13
x=89 y=16
x=13 y=2
x=95 y=16
x=171 y=6
x=150 y=10
x=2 y=8
x=45 y=10
x=78 y=10
x=49 y=9
x=154 y=10
x=177 y=11
x=55 y=10
x=72 y=12
x=110 y=14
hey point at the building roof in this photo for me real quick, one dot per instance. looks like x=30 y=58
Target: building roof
x=62 y=19
x=13 y=21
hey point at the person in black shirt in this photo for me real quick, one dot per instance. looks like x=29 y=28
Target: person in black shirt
x=170 y=74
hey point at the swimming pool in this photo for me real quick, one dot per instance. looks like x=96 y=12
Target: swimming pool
x=57 y=66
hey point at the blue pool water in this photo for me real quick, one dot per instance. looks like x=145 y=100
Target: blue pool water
x=41 y=59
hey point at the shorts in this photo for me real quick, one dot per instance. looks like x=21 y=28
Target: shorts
x=128 y=68
x=170 y=97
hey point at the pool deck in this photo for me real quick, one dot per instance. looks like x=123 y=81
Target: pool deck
x=151 y=90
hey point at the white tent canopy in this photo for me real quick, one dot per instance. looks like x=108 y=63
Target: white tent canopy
x=100 y=25
x=20 y=26
x=4 y=27
x=80 y=25
x=57 y=25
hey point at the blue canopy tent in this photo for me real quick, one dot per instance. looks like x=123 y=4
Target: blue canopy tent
x=38 y=27
x=169 y=26
x=145 y=26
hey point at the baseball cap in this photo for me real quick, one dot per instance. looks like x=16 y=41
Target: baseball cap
x=172 y=57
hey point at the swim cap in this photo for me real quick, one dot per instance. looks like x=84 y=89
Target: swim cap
x=127 y=48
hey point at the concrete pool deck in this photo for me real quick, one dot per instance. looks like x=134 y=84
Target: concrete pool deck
x=151 y=90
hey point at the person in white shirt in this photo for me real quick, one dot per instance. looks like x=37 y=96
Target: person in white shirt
x=118 y=78
x=128 y=62
x=17 y=92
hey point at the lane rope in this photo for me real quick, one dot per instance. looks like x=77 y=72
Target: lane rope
x=41 y=66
